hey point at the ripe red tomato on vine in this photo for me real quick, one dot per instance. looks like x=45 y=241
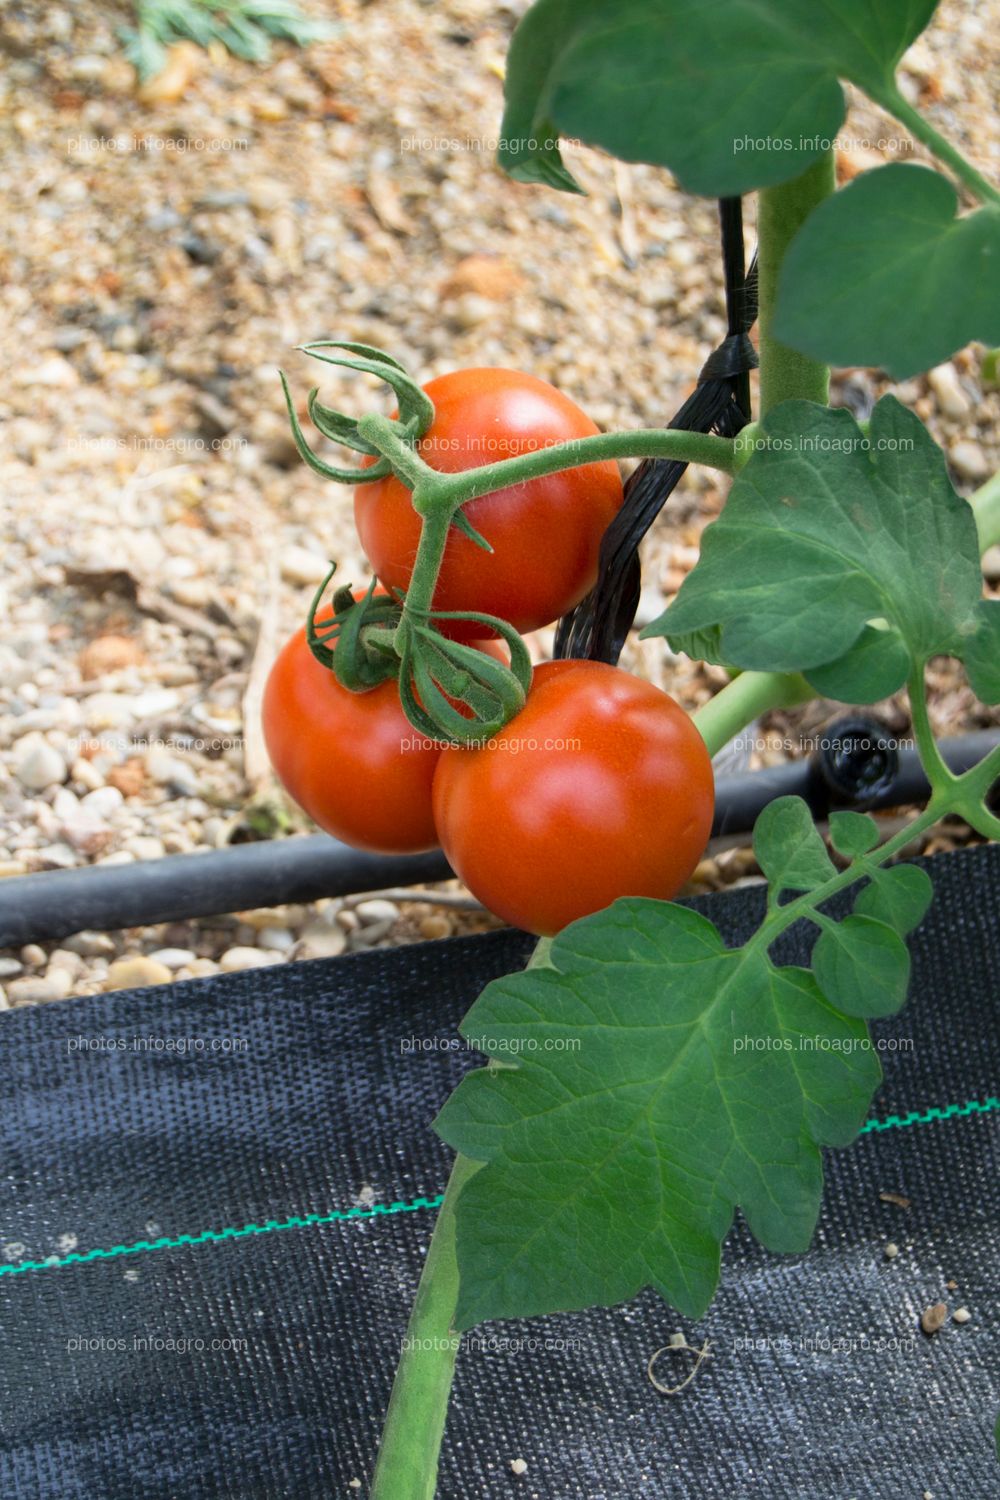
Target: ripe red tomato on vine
x=545 y=534
x=600 y=787
x=352 y=761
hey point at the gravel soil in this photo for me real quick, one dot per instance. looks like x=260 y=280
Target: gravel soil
x=162 y=251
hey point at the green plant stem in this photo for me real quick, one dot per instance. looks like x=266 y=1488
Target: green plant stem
x=433 y=487
x=744 y=699
x=427 y=564
x=939 y=774
x=784 y=374
x=986 y=508
x=666 y=442
x=418 y=1406
x=975 y=787
x=924 y=132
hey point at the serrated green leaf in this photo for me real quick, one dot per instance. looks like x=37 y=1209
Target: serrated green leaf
x=652 y=1081
x=853 y=833
x=788 y=848
x=899 y=896
x=863 y=966
x=982 y=652
x=886 y=245
x=733 y=95
x=826 y=529
x=875 y=667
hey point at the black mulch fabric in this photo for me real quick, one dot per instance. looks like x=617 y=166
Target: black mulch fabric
x=799 y=1400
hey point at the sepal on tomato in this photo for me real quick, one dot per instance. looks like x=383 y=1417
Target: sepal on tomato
x=355 y=642
x=454 y=692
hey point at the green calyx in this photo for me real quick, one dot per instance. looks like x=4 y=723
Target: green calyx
x=355 y=642
x=452 y=691
x=416 y=410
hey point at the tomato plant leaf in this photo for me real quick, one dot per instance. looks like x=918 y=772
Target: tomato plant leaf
x=898 y=896
x=853 y=833
x=789 y=850
x=827 y=528
x=622 y=1118
x=733 y=95
x=890 y=240
x=875 y=667
x=863 y=965
x=982 y=652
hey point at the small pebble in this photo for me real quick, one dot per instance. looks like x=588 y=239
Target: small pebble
x=891 y=1251
x=969 y=460
x=933 y=1318
x=321 y=940
x=86 y=835
x=961 y=1315
x=102 y=803
x=518 y=1466
x=57 y=982
x=86 y=774
x=37 y=765
x=10 y=968
x=90 y=944
x=276 y=939
x=65 y=959
x=32 y=955
x=57 y=857
x=200 y=968
x=435 y=926
x=377 y=911
x=167 y=770
x=947 y=387
x=236 y=959
x=173 y=958
x=135 y=973
x=301 y=566
x=145 y=846
x=38 y=990
x=370 y=934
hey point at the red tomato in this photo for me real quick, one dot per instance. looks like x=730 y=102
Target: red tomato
x=600 y=787
x=545 y=534
x=352 y=761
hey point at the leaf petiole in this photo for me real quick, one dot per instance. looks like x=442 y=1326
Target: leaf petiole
x=919 y=127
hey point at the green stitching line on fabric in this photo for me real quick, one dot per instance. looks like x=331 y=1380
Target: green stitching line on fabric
x=208 y=1236
x=913 y=1118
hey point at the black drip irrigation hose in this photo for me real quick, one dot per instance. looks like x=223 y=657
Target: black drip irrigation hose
x=857 y=766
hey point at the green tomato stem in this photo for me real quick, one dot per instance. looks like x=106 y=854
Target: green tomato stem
x=744 y=699
x=427 y=564
x=985 y=504
x=938 y=773
x=924 y=131
x=666 y=442
x=411 y=1439
x=436 y=490
x=782 y=210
